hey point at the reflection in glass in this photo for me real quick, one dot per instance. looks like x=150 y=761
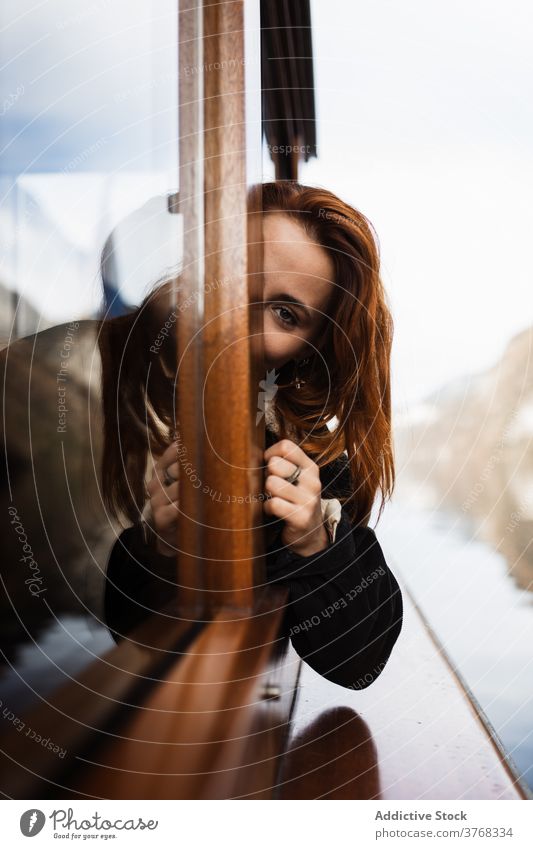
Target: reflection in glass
x=88 y=172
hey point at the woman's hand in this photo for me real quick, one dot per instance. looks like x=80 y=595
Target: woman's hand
x=297 y=504
x=164 y=500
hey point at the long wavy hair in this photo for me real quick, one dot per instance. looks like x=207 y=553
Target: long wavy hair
x=348 y=378
x=138 y=352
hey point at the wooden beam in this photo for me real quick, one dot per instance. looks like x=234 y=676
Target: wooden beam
x=215 y=727
x=220 y=534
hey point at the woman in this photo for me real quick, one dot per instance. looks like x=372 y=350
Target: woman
x=328 y=335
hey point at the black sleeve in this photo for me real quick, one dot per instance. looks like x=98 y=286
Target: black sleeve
x=139 y=581
x=345 y=606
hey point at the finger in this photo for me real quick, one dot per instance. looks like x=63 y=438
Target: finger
x=173 y=470
x=160 y=470
x=165 y=495
x=299 y=519
x=281 y=508
x=167 y=458
x=288 y=450
x=277 y=486
x=298 y=496
x=279 y=466
x=276 y=506
x=308 y=481
x=156 y=484
x=308 y=478
x=165 y=517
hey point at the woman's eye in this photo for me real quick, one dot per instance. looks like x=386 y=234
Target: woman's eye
x=290 y=320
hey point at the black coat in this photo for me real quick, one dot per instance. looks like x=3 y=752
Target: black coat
x=345 y=606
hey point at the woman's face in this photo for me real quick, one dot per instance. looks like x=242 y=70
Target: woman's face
x=295 y=267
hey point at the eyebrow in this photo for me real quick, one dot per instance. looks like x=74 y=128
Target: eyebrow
x=284 y=296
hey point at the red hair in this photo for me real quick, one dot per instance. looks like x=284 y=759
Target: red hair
x=138 y=391
x=349 y=378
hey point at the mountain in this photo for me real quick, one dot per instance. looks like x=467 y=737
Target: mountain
x=468 y=449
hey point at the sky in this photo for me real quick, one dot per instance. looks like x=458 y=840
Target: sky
x=425 y=125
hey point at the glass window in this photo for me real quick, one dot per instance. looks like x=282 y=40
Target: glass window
x=88 y=175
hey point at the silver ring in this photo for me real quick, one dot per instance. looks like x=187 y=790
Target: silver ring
x=293 y=477
x=168 y=479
